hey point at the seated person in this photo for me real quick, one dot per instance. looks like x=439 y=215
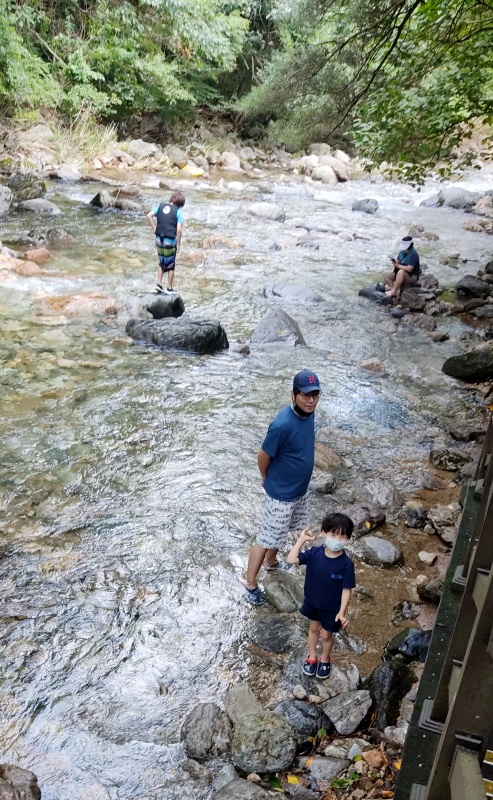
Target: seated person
x=406 y=269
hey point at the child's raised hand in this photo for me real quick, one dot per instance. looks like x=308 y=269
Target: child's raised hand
x=342 y=619
x=307 y=536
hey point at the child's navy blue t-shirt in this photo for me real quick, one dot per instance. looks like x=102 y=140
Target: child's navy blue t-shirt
x=326 y=578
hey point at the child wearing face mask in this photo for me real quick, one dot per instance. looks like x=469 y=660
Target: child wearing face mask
x=328 y=583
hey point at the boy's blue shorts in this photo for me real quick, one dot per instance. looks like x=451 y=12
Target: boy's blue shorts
x=326 y=618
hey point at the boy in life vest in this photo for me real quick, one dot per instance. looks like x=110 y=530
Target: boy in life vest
x=328 y=583
x=166 y=221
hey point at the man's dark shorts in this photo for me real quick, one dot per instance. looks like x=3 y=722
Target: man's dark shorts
x=326 y=618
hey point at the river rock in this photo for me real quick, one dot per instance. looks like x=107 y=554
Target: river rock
x=340 y=169
x=66 y=172
x=410 y=643
x=277 y=326
x=230 y=162
x=325 y=174
x=373 y=365
x=374 y=294
x=427 y=558
x=284 y=591
x=102 y=200
x=76 y=305
x=368 y=206
x=325 y=485
x=444 y=520
x=483 y=313
x=308 y=224
x=475 y=365
x=6 y=200
x=239 y=700
x=197 y=336
x=40 y=206
x=159 y=306
x=242 y=790
x=366 y=517
x=277 y=633
x=292 y=293
x=39 y=236
x=305 y=718
x=415 y=517
x=266 y=211
x=388 y=684
x=459 y=432
x=323 y=770
x=377 y=552
x=129 y=190
x=384 y=493
x=18 y=784
x=455 y=197
x=448 y=458
x=216 y=241
x=320 y=149
x=431 y=591
x=140 y=149
x=26 y=186
x=39 y=255
x=225 y=776
x=124 y=204
x=413 y=300
x=263 y=742
x=347 y=711
x=471 y=286
x=206 y=732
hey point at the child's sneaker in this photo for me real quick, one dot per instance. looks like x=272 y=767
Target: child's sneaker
x=254 y=596
x=171 y=291
x=159 y=289
x=278 y=565
x=310 y=667
x=323 y=670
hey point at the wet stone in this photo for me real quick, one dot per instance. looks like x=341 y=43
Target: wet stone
x=388 y=684
x=240 y=699
x=305 y=718
x=415 y=517
x=198 y=336
x=242 y=790
x=377 y=551
x=292 y=293
x=278 y=633
x=277 y=326
x=410 y=643
x=323 y=770
x=347 y=711
x=206 y=732
x=18 y=784
x=263 y=742
x=431 y=591
x=284 y=591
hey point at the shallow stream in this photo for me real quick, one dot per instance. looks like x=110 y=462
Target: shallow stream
x=129 y=482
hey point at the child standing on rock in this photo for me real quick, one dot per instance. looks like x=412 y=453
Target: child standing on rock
x=166 y=221
x=328 y=583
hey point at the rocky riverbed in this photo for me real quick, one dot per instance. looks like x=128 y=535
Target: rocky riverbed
x=130 y=491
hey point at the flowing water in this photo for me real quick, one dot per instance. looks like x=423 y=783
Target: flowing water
x=129 y=481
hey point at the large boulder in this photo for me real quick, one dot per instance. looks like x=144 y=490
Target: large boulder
x=206 y=732
x=66 y=172
x=475 y=365
x=366 y=517
x=177 y=157
x=377 y=552
x=102 y=200
x=266 y=211
x=18 y=784
x=193 y=335
x=347 y=711
x=6 y=199
x=455 y=197
x=325 y=174
x=277 y=633
x=158 y=306
x=341 y=169
x=230 y=162
x=291 y=293
x=37 y=236
x=26 y=186
x=388 y=684
x=263 y=742
x=140 y=149
x=277 y=326
x=471 y=286
x=239 y=700
x=320 y=149
x=40 y=206
x=411 y=644
x=242 y=790
x=305 y=718
x=284 y=591
x=368 y=206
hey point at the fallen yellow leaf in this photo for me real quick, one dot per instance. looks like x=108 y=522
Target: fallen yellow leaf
x=368 y=525
x=292 y=779
x=309 y=761
x=398 y=763
x=386 y=794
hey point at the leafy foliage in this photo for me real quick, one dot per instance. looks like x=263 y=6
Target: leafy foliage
x=401 y=78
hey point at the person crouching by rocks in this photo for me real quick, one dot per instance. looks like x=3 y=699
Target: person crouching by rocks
x=285 y=462
x=166 y=221
x=328 y=583
x=406 y=269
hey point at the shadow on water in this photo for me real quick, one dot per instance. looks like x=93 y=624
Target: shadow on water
x=129 y=482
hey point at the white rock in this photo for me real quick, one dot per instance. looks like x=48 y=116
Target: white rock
x=342 y=156
x=299 y=692
x=325 y=174
x=427 y=558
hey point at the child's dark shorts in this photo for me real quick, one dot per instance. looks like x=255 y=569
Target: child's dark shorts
x=326 y=618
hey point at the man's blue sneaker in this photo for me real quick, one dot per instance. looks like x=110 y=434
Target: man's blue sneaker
x=323 y=670
x=254 y=596
x=278 y=565
x=309 y=667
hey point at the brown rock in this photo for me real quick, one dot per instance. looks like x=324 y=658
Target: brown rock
x=374 y=365
x=38 y=255
x=374 y=759
x=73 y=305
x=215 y=242
x=28 y=268
x=326 y=459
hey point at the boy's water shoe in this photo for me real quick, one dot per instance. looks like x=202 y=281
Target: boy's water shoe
x=159 y=289
x=254 y=596
x=278 y=565
x=323 y=670
x=310 y=667
x=170 y=291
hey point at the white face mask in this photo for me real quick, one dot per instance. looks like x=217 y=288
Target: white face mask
x=334 y=544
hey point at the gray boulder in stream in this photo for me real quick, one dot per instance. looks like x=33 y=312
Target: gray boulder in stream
x=377 y=552
x=475 y=365
x=292 y=293
x=368 y=205
x=277 y=326
x=160 y=306
x=195 y=335
x=242 y=790
x=5 y=200
x=263 y=742
x=206 y=732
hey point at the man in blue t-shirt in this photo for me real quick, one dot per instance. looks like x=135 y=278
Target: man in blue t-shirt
x=285 y=461
x=406 y=269
x=166 y=220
